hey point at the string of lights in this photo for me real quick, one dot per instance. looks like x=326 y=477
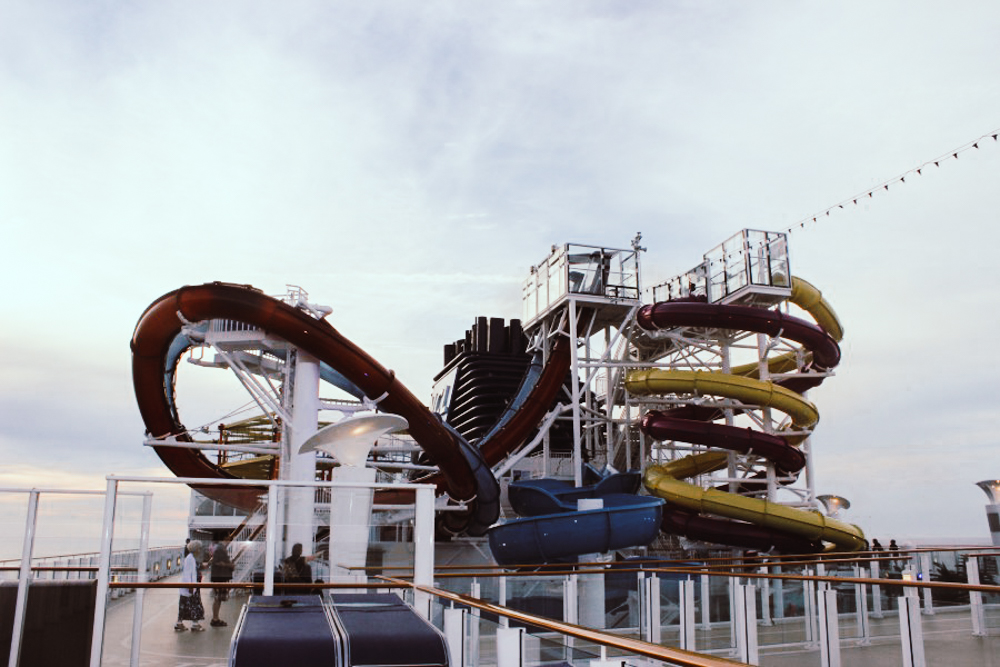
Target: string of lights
x=896 y=180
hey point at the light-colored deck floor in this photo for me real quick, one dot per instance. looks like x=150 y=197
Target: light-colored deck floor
x=947 y=639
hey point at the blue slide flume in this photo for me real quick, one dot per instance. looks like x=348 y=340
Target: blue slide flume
x=553 y=530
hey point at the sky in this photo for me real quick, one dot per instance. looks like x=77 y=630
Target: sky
x=407 y=163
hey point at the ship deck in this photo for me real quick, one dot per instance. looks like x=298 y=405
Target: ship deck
x=948 y=639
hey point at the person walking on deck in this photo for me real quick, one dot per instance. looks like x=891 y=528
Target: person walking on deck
x=221 y=570
x=190 y=607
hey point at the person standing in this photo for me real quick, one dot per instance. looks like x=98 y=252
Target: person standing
x=221 y=570
x=189 y=606
x=894 y=549
x=296 y=569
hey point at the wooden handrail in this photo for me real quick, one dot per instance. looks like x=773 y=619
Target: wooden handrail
x=859 y=557
x=949 y=585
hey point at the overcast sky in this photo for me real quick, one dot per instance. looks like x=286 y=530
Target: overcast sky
x=406 y=163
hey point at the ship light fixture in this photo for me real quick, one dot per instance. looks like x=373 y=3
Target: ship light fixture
x=834 y=504
x=351 y=439
x=991 y=487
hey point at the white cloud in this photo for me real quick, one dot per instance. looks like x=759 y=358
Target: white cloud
x=407 y=165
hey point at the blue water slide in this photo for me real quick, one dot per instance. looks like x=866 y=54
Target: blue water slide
x=329 y=374
x=553 y=530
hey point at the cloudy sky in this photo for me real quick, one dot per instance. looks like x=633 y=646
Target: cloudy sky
x=406 y=163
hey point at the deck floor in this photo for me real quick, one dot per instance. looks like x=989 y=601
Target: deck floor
x=947 y=639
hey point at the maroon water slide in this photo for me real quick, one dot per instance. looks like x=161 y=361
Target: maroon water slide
x=165 y=318
x=463 y=474
x=694 y=425
x=670 y=314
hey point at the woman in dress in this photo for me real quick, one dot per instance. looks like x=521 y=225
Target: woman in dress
x=190 y=607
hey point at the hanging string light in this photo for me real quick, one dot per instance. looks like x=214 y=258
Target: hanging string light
x=950 y=155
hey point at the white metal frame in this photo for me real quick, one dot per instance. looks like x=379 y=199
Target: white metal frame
x=423 y=531
x=27 y=552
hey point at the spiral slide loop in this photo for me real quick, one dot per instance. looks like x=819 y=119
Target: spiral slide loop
x=463 y=474
x=746 y=521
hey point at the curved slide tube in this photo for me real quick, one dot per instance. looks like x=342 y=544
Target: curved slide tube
x=826 y=352
x=555 y=531
x=462 y=475
x=663 y=426
x=807 y=525
x=748 y=390
x=810 y=299
x=767 y=524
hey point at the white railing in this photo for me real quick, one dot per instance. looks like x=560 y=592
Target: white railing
x=423 y=543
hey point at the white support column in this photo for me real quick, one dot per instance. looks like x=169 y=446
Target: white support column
x=299 y=501
x=829 y=629
x=350 y=523
x=650 y=609
x=575 y=397
x=861 y=608
x=779 y=594
x=510 y=647
x=911 y=630
x=270 y=539
x=876 y=591
x=475 y=590
x=591 y=585
x=103 y=573
x=571 y=599
x=24 y=579
x=454 y=634
x=576 y=603
x=765 y=599
x=809 y=608
x=502 y=600
x=706 y=591
x=423 y=549
x=746 y=623
x=975 y=597
x=687 y=617
x=733 y=583
x=925 y=570
x=143 y=577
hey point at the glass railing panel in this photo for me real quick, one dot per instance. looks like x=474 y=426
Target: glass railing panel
x=542 y=595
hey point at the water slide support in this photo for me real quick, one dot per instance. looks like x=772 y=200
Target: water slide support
x=763 y=345
x=296 y=466
x=462 y=475
x=575 y=397
x=726 y=351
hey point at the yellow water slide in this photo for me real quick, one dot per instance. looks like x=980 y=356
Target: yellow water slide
x=665 y=480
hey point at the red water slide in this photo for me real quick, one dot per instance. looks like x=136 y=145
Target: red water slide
x=165 y=318
x=464 y=475
x=669 y=314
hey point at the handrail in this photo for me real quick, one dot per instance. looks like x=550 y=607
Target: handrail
x=911 y=583
x=70 y=568
x=655 y=651
x=700 y=570
x=859 y=557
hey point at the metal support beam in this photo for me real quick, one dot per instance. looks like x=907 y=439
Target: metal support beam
x=829 y=629
x=23 y=579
